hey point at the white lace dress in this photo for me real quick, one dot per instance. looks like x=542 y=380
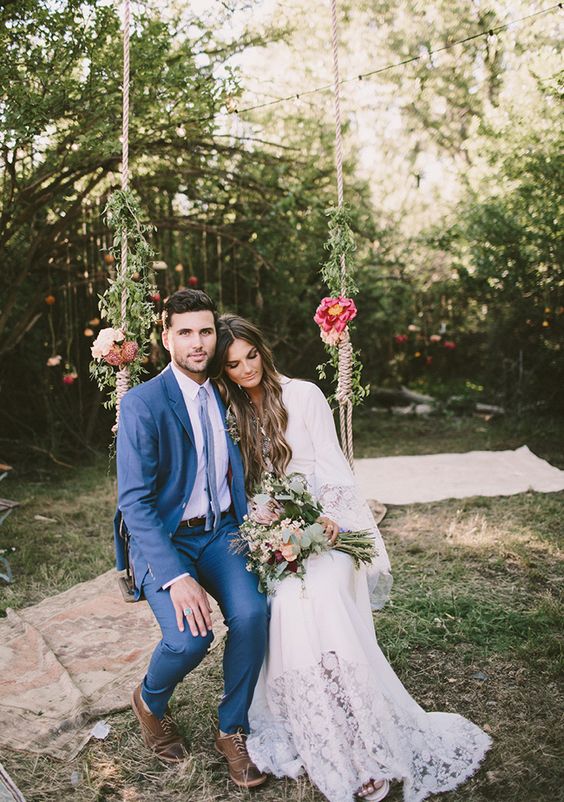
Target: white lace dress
x=327 y=700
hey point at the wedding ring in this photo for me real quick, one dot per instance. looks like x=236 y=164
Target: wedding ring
x=187 y=611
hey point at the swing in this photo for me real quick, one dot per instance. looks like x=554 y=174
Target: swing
x=337 y=311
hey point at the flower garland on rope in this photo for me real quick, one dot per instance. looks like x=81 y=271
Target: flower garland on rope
x=335 y=313
x=117 y=346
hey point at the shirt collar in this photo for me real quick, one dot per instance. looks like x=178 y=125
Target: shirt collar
x=188 y=386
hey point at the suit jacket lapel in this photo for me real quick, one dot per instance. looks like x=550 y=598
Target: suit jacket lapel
x=176 y=400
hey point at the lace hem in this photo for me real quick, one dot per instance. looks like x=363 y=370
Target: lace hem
x=338 y=722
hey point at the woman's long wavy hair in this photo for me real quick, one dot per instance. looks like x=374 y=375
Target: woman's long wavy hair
x=274 y=418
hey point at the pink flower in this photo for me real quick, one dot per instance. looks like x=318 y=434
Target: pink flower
x=105 y=340
x=53 y=361
x=435 y=338
x=400 y=338
x=287 y=551
x=449 y=345
x=113 y=357
x=332 y=338
x=129 y=351
x=264 y=514
x=334 y=314
x=70 y=378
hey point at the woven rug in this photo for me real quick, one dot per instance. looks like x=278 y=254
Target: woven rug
x=70 y=660
x=433 y=477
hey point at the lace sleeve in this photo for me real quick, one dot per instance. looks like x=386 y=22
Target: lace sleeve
x=345 y=505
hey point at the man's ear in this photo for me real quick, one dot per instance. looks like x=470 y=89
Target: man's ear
x=164 y=337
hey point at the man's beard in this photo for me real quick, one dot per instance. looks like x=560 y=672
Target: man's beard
x=195 y=367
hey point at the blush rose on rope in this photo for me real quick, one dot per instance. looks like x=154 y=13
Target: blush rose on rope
x=112 y=347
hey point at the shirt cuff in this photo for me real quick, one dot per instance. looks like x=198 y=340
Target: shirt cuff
x=172 y=581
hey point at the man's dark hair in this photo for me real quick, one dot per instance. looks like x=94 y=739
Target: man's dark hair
x=187 y=301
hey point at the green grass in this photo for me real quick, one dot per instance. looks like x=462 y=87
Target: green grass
x=474 y=625
x=379 y=433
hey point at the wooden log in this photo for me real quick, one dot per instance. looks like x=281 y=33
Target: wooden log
x=398 y=397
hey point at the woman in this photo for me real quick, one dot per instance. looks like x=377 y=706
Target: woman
x=327 y=700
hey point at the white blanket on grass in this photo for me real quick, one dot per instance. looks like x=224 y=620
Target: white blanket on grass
x=433 y=477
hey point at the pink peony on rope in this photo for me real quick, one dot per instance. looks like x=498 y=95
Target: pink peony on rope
x=333 y=316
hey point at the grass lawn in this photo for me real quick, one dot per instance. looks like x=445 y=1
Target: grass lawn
x=474 y=624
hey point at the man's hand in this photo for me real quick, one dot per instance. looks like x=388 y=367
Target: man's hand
x=331 y=528
x=184 y=593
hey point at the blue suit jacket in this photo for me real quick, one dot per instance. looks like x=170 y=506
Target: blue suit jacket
x=156 y=468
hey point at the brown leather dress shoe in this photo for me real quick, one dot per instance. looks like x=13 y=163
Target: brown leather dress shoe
x=160 y=735
x=242 y=770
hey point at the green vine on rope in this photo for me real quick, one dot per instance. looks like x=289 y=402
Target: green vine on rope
x=335 y=312
x=117 y=346
x=340 y=244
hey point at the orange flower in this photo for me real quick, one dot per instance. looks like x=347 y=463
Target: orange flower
x=50 y=300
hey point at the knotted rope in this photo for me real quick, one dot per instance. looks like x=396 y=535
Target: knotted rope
x=122 y=378
x=344 y=385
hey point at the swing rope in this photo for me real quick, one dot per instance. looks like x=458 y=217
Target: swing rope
x=122 y=378
x=345 y=369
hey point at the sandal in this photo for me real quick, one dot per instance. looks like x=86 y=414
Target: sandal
x=376 y=795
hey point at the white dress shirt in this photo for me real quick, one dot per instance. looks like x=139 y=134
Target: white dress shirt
x=199 y=501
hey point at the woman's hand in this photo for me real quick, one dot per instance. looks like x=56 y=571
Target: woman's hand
x=331 y=528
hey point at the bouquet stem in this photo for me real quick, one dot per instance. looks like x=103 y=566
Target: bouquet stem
x=358 y=545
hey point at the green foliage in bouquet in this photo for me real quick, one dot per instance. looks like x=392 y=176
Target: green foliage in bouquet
x=282 y=530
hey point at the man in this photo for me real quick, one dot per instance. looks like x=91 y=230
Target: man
x=182 y=496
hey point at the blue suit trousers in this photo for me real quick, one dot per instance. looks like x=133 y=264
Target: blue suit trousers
x=209 y=558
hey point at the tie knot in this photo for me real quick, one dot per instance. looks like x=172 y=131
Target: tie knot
x=203 y=395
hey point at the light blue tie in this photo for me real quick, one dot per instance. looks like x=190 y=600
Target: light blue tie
x=214 y=512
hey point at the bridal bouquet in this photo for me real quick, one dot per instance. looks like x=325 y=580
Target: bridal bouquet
x=282 y=530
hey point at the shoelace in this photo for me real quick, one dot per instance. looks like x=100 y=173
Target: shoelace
x=168 y=725
x=239 y=739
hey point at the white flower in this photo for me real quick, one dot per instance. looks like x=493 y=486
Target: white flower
x=53 y=361
x=105 y=340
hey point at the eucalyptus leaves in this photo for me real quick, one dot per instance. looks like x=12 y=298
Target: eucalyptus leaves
x=123 y=215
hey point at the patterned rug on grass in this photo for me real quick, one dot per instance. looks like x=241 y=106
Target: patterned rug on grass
x=71 y=659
